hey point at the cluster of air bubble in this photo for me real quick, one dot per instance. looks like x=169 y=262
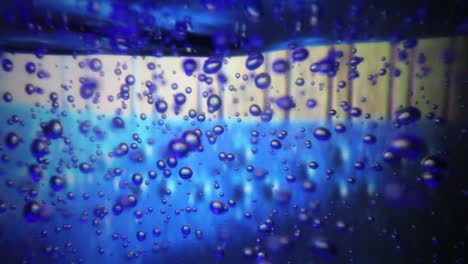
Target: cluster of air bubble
x=149 y=163
x=159 y=176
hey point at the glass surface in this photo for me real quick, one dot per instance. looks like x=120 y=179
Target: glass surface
x=233 y=131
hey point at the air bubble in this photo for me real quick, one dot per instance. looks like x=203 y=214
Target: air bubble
x=262 y=80
x=30 y=67
x=95 y=65
x=254 y=61
x=189 y=66
x=32 y=211
x=7 y=65
x=185 y=173
x=217 y=207
x=53 y=129
x=212 y=65
x=408 y=115
x=161 y=106
x=300 y=54
x=280 y=66
x=57 y=183
x=255 y=110
x=322 y=133
x=214 y=103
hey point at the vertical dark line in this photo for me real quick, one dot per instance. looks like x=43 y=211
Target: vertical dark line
x=221 y=90
x=391 y=83
x=288 y=84
x=451 y=84
x=329 y=98
x=199 y=87
x=63 y=81
x=411 y=96
x=330 y=89
x=350 y=83
x=392 y=80
x=134 y=89
x=157 y=87
x=267 y=90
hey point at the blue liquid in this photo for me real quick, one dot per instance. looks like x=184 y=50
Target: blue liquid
x=389 y=199
x=266 y=186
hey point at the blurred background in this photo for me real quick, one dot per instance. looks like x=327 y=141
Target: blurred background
x=233 y=131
